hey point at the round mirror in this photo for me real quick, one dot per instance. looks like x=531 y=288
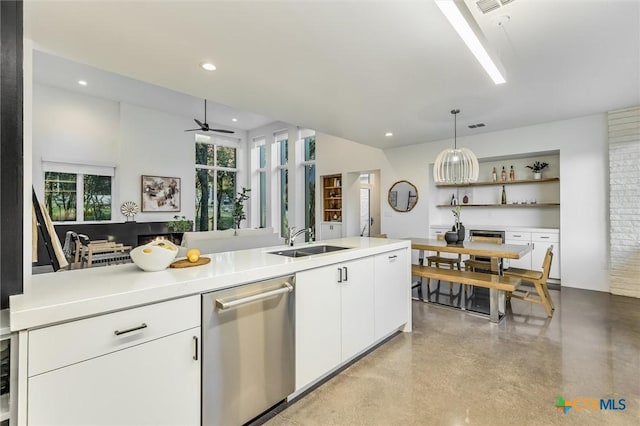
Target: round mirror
x=403 y=196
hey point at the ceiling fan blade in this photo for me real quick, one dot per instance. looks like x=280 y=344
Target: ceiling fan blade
x=192 y=130
x=221 y=130
x=200 y=123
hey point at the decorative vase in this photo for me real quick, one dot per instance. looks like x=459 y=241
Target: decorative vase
x=460 y=231
x=537 y=175
x=451 y=237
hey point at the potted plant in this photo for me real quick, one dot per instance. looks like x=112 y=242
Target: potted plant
x=458 y=228
x=178 y=226
x=238 y=207
x=537 y=168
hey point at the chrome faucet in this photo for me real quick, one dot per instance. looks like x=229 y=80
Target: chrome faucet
x=292 y=236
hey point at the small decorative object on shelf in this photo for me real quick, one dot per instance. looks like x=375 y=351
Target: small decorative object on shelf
x=465 y=199
x=494 y=175
x=503 y=174
x=504 y=196
x=512 y=174
x=453 y=201
x=537 y=169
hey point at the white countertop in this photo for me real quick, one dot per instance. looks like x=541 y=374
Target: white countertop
x=500 y=228
x=68 y=295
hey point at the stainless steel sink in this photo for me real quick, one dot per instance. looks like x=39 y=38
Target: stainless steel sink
x=308 y=251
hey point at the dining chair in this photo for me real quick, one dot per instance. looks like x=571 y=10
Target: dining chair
x=473 y=263
x=539 y=280
x=439 y=261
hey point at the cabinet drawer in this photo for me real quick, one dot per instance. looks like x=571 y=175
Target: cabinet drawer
x=517 y=236
x=548 y=237
x=64 y=344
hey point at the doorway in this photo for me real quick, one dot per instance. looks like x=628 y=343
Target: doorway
x=369 y=204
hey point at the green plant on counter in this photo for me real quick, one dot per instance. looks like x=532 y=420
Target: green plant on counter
x=238 y=207
x=179 y=224
x=537 y=167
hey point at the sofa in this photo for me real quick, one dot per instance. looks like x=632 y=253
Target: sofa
x=230 y=240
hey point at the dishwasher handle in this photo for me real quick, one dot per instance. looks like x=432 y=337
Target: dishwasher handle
x=288 y=288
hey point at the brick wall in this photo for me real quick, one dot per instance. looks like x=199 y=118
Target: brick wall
x=624 y=201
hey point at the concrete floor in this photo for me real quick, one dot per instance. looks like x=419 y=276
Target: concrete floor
x=457 y=369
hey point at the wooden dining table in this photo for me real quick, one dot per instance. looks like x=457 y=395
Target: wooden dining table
x=472 y=248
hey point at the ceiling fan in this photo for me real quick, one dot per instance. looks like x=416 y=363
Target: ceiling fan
x=204 y=127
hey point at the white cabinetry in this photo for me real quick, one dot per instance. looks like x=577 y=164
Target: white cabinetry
x=139 y=366
x=521 y=238
x=334 y=317
x=330 y=230
x=391 y=291
x=540 y=242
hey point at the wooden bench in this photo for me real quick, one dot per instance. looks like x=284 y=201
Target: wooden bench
x=495 y=283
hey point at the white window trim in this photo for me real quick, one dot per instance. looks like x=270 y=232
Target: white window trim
x=80 y=169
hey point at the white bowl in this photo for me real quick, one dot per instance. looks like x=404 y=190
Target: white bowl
x=155 y=256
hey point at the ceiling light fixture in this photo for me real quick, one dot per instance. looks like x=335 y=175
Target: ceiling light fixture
x=82 y=83
x=388 y=134
x=462 y=21
x=208 y=66
x=457 y=165
x=234 y=120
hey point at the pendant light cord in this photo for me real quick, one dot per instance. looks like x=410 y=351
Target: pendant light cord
x=455 y=127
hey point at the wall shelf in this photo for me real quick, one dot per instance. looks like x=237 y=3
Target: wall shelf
x=499 y=182
x=332 y=195
x=504 y=205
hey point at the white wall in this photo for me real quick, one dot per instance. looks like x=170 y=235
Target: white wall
x=337 y=155
x=138 y=141
x=582 y=145
x=71 y=126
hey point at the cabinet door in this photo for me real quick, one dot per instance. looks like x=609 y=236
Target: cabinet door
x=525 y=261
x=357 y=306
x=392 y=291
x=540 y=249
x=154 y=383
x=317 y=323
x=522 y=238
x=331 y=230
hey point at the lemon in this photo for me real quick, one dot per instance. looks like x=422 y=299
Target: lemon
x=146 y=250
x=193 y=255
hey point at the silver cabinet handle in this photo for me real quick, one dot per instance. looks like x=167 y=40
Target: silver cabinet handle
x=195 y=348
x=340 y=277
x=222 y=305
x=346 y=277
x=140 y=327
x=517 y=236
x=544 y=237
x=393 y=257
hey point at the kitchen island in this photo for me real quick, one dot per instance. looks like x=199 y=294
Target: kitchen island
x=71 y=323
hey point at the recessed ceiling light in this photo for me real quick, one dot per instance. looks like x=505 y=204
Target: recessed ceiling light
x=388 y=134
x=82 y=83
x=208 y=66
x=234 y=120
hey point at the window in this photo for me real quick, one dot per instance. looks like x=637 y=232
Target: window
x=283 y=151
x=77 y=193
x=309 y=163
x=216 y=183
x=262 y=182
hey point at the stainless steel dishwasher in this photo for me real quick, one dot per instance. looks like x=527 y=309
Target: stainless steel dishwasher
x=248 y=362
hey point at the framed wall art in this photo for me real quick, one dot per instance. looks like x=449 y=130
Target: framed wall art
x=160 y=194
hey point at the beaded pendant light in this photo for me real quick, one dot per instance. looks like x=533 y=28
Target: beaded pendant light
x=456 y=165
